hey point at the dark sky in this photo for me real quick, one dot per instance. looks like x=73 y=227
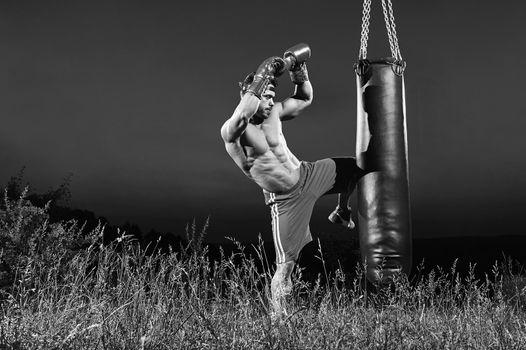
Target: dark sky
x=129 y=96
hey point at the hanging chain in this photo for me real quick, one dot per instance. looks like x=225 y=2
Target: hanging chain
x=391 y=29
x=389 y=25
x=398 y=55
x=366 y=15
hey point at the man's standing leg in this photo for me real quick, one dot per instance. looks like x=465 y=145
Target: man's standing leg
x=283 y=237
x=291 y=214
x=281 y=287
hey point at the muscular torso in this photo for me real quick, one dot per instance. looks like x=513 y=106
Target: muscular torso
x=263 y=155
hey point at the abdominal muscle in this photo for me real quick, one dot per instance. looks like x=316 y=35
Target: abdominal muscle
x=273 y=173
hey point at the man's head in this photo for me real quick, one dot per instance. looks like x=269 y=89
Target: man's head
x=267 y=97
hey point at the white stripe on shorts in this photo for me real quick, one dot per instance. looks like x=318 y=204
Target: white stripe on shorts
x=275 y=230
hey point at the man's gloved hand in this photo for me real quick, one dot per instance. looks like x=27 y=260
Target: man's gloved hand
x=271 y=67
x=296 y=56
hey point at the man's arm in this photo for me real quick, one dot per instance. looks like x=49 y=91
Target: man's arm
x=303 y=94
x=302 y=98
x=234 y=127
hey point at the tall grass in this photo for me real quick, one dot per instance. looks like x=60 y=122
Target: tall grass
x=121 y=296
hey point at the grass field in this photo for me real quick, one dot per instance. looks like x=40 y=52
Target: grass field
x=117 y=297
x=120 y=296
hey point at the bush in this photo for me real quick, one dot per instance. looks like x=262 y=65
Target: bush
x=29 y=241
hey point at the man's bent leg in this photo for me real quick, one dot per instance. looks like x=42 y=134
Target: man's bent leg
x=346 y=178
x=281 y=287
x=342 y=215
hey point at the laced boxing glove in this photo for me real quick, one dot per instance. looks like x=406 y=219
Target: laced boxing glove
x=271 y=67
x=295 y=58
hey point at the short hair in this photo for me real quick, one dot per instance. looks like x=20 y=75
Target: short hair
x=244 y=85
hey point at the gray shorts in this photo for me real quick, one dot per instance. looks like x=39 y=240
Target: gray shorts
x=291 y=211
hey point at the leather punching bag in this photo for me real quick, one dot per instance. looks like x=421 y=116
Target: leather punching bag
x=381 y=151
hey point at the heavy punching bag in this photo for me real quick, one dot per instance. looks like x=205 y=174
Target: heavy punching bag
x=381 y=151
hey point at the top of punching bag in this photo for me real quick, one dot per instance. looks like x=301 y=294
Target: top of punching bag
x=362 y=65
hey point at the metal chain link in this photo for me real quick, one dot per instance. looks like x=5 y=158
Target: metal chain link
x=366 y=15
x=393 y=30
x=389 y=25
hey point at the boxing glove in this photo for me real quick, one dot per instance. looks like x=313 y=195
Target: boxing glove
x=295 y=58
x=271 y=67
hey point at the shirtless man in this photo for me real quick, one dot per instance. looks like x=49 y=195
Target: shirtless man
x=254 y=139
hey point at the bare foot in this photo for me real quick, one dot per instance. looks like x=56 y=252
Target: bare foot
x=342 y=217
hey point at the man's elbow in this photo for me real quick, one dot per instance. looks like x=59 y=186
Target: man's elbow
x=304 y=100
x=305 y=93
x=230 y=132
x=304 y=103
x=224 y=134
x=308 y=100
